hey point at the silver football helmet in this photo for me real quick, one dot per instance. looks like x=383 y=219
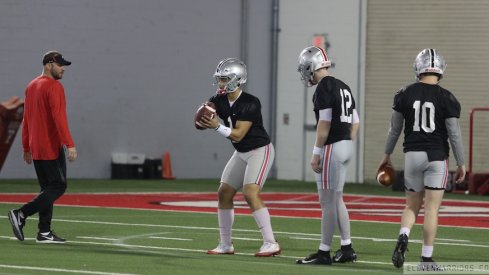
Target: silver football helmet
x=429 y=61
x=232 y=69
x=310 y=60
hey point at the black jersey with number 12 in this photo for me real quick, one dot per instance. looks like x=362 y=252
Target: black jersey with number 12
x=332 y=93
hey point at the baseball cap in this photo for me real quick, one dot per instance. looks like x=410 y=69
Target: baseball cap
x=55 y=57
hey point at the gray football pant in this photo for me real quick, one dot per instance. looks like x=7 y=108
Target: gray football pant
x=334 y=213
x=330 y=182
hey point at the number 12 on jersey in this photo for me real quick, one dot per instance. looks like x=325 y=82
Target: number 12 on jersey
x=346 y=102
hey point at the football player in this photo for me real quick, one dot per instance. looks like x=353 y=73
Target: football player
x=337 y=124
x=248 y=167
x=430 y=114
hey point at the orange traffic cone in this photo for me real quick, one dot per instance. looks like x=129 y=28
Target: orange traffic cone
x=166 y=173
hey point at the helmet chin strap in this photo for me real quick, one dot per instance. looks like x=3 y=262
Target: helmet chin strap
x=310 y=80
x=225 y=91
x=220 y=91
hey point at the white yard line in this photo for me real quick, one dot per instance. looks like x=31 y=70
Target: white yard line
x=453 y=240
x=95 y=238
x=247 y=239
x=38 y=268
x=168 y=238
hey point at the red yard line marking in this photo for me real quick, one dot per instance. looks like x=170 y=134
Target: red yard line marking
x=361 y=208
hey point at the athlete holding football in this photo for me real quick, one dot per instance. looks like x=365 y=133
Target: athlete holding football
x=337 y=124
x=431 y=115
x=248 y=167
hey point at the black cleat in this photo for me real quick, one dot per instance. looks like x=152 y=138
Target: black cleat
x=49 y=238
x=400 y=251
x=320 y=257
x=427 y=264
x=345 y=254
x=17 y=223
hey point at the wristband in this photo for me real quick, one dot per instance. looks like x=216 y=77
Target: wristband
x=223 y=130
x=317 y=150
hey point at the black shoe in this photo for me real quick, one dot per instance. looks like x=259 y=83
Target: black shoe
x=49 y=238
x=400 y=251
x=428 y=264
x=17 y=223
x=345 y=254
x=320 y=257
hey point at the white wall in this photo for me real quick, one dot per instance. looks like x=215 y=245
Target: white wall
x=299 y=21
x=140 y=69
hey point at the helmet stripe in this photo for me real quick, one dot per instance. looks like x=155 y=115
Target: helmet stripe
x=432 y=56
x=323 y=53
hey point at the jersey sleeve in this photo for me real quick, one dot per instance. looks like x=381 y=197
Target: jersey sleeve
x=213 y=99
x=397 y=105
x=452 y=106
x=322 y=99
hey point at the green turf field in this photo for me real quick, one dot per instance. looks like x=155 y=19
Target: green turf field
x=121 y=241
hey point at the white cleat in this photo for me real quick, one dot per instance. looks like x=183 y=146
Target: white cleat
x=222 y=249
x=268 y=250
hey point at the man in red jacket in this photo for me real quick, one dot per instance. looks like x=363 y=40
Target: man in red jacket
x=45 y=136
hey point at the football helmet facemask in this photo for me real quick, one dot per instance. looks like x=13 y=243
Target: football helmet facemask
x=310 y=60
x=429 y=61
x=234 y=71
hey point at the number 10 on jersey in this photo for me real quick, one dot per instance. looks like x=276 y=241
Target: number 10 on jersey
x=421 y=113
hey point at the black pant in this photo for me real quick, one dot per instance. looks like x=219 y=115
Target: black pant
x=51 y=175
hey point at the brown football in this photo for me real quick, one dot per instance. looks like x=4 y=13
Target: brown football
x=386 y=175
x=206 y=109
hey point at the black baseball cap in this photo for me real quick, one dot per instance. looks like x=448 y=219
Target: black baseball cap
x=55 y=57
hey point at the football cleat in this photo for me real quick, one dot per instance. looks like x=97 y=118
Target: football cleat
x=17 y=223
x=400 y=250
x=222 y=249
x=345 y=254
x=51 y=237
x=268 y=250
x=320 y=258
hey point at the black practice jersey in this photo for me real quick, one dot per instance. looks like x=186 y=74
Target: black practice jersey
x=332 y=93
x=246 y=108
x=425 y=108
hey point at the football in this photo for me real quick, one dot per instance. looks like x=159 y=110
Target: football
x=386 y=176
x=206 y=109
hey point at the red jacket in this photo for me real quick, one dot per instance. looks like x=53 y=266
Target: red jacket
x=45 y=128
